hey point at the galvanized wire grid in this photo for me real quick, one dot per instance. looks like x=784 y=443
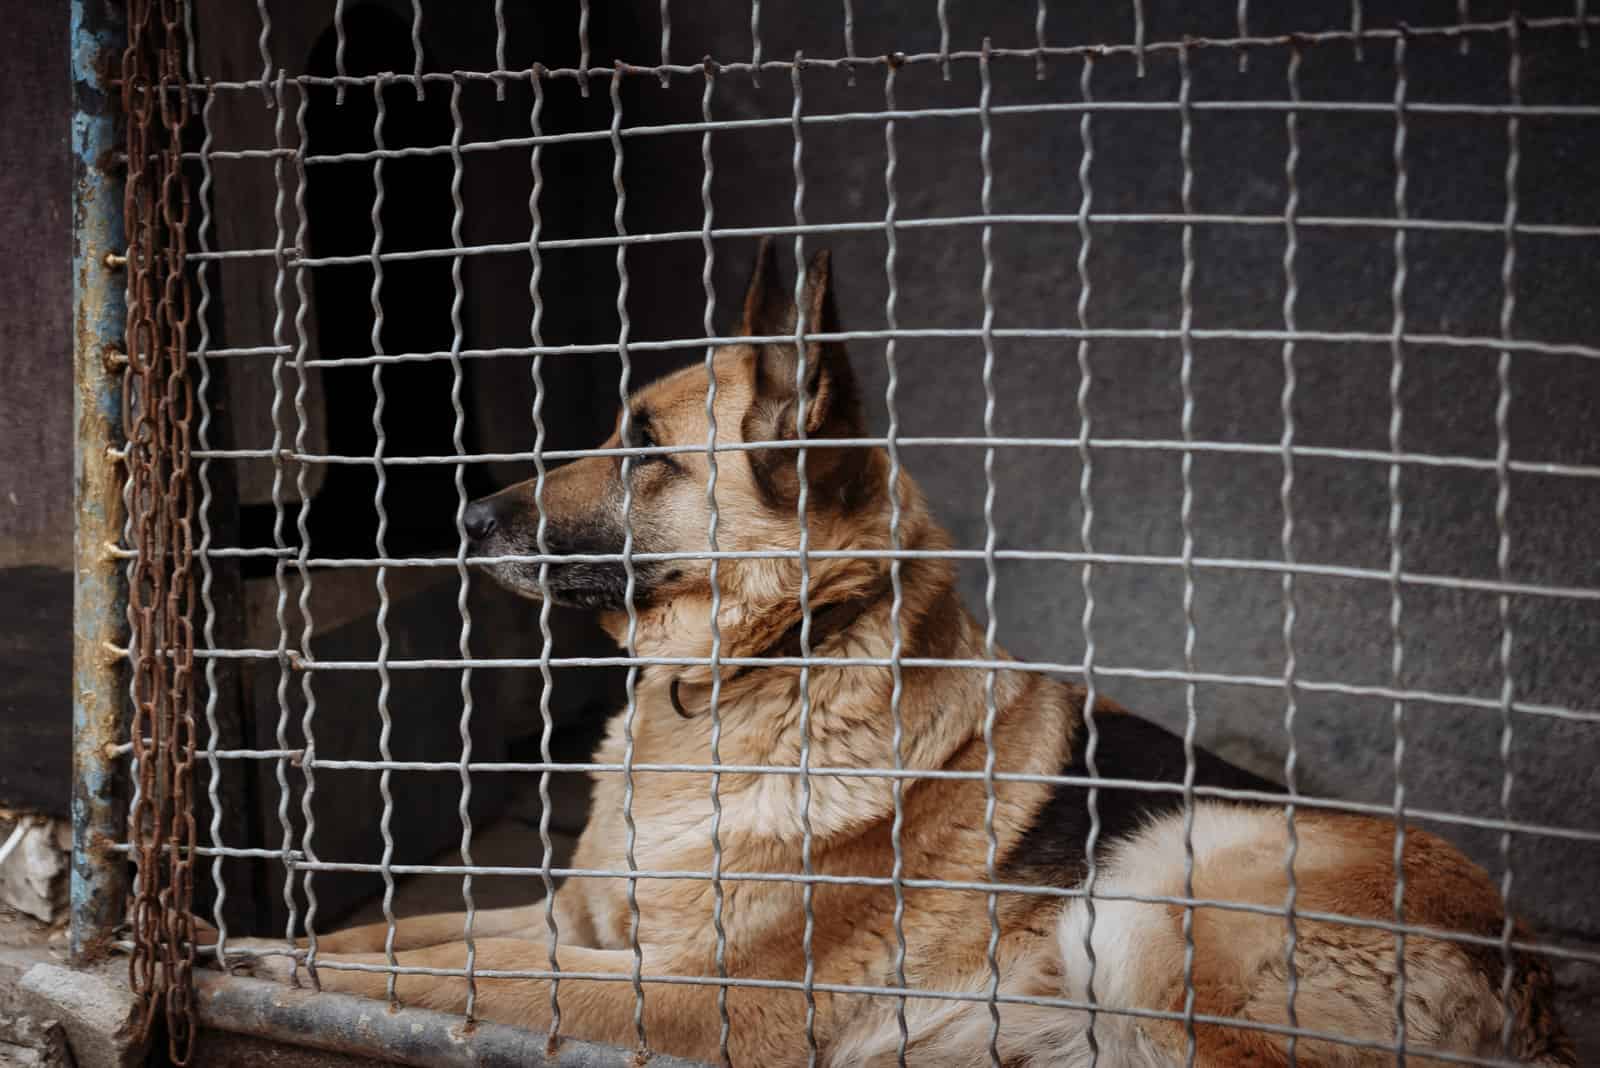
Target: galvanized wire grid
x=288 y=448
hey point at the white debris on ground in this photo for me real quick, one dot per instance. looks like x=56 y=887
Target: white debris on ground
x=29 y=1043
x=35 y=855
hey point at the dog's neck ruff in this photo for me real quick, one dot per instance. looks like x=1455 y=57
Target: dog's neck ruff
x=826 y=623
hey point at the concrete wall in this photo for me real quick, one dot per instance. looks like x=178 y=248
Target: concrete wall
x=35 y=412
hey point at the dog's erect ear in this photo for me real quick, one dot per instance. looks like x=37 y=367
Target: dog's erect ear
x=832 y=404
x=768 y=309
x=832 y=408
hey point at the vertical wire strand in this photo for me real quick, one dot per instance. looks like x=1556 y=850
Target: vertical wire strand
x=1242 y=18
x=808 y=888
x=755 y=42
x=302 y=339
x=463 y=582
x=264 y=47
x=1138 y=35
x=896 y=583
x=1291 y=295
x=207 y=576
x=1397 y=641
x=1580 y=11
x=541 y=536
x=944 y=39
x=1502 y=504
x=1085 y=486
x=339 y=42
x=718 y=897
x=280 y=564
x=386 y=723
x=499 y=48
x=1357 y=30
x=1464 y=18
x=1186 y=520
x=666 y=42
x=1039 y=69
x=850 y=41
x=583 y=48
x=416 y=46
x=990 y=711
x=630 y=643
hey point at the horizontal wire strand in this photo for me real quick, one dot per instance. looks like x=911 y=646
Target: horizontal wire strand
x=1356 y=35
x=1443 y=341
x=1485 y=227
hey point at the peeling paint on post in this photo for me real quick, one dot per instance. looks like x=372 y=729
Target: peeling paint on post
x=99 y=875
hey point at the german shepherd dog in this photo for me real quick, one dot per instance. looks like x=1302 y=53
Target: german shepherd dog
x=1050 y=945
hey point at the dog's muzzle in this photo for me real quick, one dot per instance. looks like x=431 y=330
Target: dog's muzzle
x=480 y=519
x=506 y=524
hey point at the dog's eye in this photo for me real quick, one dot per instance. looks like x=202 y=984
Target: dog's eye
x=640 y=437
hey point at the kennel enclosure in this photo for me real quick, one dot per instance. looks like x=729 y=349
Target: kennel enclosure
x=1247 y=353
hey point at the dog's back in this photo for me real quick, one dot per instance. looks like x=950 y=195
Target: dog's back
x=1128 y=954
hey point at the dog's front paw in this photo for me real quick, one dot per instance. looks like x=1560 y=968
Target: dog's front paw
x=263 y=958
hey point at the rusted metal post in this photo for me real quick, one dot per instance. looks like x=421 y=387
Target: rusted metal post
x=99 y=875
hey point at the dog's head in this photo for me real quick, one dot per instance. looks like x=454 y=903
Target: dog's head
x=762 y=389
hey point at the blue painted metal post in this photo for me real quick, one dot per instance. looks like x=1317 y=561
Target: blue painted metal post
x=99 y=608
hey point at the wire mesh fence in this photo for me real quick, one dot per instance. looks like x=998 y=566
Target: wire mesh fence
x=1295 y=430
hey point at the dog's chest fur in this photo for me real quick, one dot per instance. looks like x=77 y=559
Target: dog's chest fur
x=762 y=821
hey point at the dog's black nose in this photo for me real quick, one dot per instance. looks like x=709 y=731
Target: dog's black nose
x=479 y=520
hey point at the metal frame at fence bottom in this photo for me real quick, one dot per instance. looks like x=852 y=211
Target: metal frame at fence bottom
x=421 y=1038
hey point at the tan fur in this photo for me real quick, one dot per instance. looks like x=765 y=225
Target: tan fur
x=1345 y=973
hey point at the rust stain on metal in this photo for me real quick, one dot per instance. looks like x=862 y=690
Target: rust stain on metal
x=157 y=411
x=97 y=615
x=99 y=873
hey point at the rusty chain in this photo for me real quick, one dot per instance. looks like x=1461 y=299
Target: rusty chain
x=157 y=409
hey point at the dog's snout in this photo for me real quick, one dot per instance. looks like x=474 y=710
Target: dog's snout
x=479 y=520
